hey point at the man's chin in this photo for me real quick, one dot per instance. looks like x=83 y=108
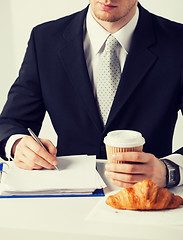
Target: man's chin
x=107 y=17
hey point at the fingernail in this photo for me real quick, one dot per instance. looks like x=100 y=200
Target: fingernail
x=54 y=162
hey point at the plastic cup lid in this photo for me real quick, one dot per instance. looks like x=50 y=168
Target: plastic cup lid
x=124 y=138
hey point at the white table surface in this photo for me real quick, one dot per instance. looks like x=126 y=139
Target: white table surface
x=65 y=218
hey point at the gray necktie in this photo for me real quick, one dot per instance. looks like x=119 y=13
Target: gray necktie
x=108 y=77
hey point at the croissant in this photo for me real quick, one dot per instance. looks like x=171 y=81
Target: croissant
x=144 y=195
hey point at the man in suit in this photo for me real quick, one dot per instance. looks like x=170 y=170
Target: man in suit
x=59 y=75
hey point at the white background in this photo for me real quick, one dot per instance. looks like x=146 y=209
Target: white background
x=18 y=17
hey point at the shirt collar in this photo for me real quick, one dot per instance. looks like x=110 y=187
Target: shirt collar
x=98 y=35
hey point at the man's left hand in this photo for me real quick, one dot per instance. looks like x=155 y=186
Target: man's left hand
x=136 y=167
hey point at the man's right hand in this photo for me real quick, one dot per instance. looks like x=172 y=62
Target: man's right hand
x=29 y=155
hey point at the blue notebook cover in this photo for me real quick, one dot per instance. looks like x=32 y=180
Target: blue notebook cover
x=1 y=167
x=96 y=193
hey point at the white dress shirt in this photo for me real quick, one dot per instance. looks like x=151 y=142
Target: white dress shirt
x=94 y=41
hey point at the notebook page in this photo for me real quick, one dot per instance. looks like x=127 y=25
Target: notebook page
x=77 y=173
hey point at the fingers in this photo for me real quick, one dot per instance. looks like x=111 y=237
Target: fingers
x=23 y=165
x=49 y=146
x=32 y=159
x=128 y=168
x=137 y=157
x=121 y=184
x=30 y=143
x=125 y=175
x=135 y=167
x=30 y=155
x=125 y=178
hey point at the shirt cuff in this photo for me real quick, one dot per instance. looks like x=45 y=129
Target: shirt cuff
x=10 y=143
x=177 y=159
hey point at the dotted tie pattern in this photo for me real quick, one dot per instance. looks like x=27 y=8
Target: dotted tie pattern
x=108 y=77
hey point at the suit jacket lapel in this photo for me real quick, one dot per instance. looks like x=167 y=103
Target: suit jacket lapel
x=139 y=61
x=73 y=58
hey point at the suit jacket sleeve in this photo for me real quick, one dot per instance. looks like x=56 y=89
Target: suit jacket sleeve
x=180 y=150
x=24 y=107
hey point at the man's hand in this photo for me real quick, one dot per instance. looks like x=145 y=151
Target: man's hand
x=137 y=166
x=29 y=155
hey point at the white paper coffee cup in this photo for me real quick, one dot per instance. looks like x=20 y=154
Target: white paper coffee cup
x=123 y=141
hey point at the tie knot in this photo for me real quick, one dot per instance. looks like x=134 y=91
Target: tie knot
x=111 y=43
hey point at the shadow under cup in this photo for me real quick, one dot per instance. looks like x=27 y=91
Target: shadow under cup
x=123 y=141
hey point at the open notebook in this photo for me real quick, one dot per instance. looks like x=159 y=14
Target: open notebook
x=77 y=175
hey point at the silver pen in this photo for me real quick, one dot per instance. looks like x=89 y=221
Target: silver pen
x=38 y=141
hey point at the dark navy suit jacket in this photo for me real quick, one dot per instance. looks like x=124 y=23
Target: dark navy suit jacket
x=54 y=78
